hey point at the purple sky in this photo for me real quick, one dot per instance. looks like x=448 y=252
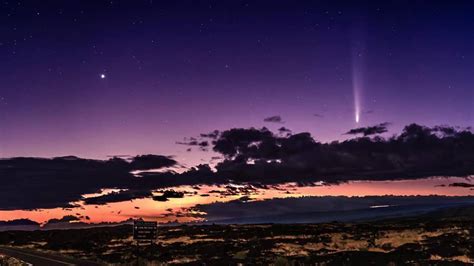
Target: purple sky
x=177 y=70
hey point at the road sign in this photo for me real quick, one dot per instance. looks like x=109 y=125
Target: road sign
x=144 y=230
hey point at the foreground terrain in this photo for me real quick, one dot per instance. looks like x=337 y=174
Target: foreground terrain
x=440 y=238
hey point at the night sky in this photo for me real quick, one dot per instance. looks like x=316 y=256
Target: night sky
x=98 y=78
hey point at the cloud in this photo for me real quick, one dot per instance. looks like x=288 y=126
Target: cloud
x=18 y=222
x=30 y=183
x=118 y=197
x=65 y=219
x=19 y=225
x=465 y=185
x=203 y=141
x=167 y=194
x=203 y=145
x=273 y=119
x=151 y=161
x=239 y=140
x=318 y=115
x=283 y=130
x=212 y=135
x=257 y=155
x=368 y=131
x=253 y=156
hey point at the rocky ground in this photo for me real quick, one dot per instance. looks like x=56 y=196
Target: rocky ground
x=10 y=261
x=441 y=238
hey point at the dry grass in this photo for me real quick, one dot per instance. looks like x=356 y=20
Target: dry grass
x=464 y=259
x=187 y=240
x=10 y=261
x=288 y=249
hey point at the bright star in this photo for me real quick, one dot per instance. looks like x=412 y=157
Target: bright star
x=102 y=76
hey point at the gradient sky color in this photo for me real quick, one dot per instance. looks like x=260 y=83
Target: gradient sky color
x=154 y=210
x=177 y=69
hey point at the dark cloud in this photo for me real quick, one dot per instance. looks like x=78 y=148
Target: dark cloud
x=259 y=156
x=284 y=130
x=18 y=222
x=121 y=156
x=203 y=145
x=19 y=225
x=448 y=131
x=71 y=221
x=368 y=131
x=239 y=141
x=151 y=161
x=274 y=119
x=318 y=115
x=65 y=219
x=30 y=183
x=466 y=185
x=211 y=135
x=118 y=197
x=251 y=156
x=168 y=194
x=230 y=190
x=202 y=141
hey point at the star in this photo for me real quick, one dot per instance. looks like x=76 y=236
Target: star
x=102 y=76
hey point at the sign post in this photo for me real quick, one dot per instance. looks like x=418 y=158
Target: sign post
x=144 y=231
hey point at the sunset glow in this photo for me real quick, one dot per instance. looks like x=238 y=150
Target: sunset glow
x=160 y=211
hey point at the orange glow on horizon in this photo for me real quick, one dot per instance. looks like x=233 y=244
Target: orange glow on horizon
x=150 y=209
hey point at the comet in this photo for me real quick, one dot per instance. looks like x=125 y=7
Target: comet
x=358 y=71
x=358 y=61
x=357 y=85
